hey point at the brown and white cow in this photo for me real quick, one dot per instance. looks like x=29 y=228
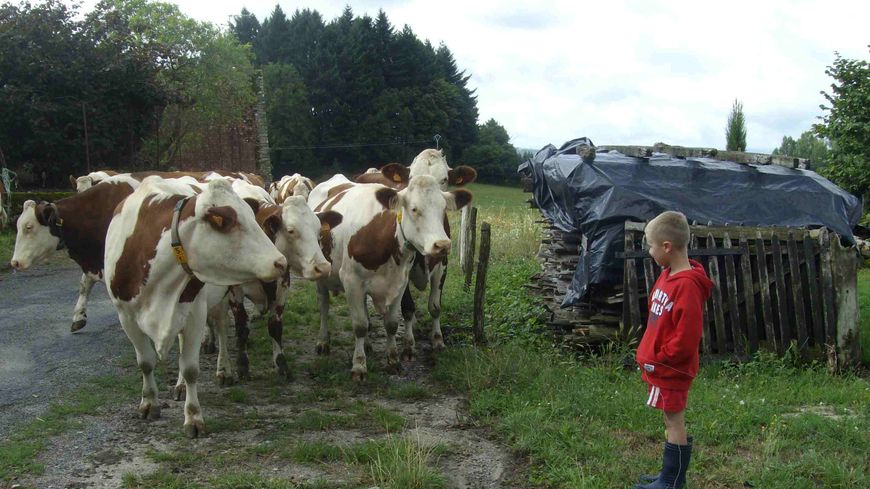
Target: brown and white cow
x=165 y=242
x=77 y=223
x=373 y=250
x=290 y=185
x=295 y=230
x=87 y=181
x=431 y=271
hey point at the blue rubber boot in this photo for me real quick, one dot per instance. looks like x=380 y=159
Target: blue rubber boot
x=647 y=478
x=674 y=465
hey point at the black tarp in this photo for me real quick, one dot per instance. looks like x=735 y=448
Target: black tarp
x=596 y=198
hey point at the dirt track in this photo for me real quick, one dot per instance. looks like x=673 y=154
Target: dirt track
x=256 y=427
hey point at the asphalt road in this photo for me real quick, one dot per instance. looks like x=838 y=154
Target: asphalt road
x=40 y=360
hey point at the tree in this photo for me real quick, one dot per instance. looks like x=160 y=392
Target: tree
x=735 y=130
x=290 y=126
x=806 y=146
x=493 y=156
x=847 y=125
x=246 y=28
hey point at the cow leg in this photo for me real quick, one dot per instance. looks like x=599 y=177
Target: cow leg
x=436 y=285
x=178 y=392
x=276 y=330
x=209 y=343
x=217 y=321
x=356 y=296
x=188 y=364
x=322 y=347
x=370 y=350
x=237 y=304
x=391 y=325
x=80 y=315
x=409 y=315
x=146 y=358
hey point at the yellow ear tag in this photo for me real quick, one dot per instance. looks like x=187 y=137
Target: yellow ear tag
x=399 y=215
x=180 y=255
x=324 y=226
x=397 y=178
x=217 y=220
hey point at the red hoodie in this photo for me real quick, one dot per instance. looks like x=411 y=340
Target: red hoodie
x=668 y=352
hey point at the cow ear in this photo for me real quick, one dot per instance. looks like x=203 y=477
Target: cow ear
x=72 y=180
x=221 y=218
x=44 y=213
x=329 y=220
x=461 y=175
x=271 y=226
x=254 y=203
x=457 y=199
x=396 y=173
x=388 y=198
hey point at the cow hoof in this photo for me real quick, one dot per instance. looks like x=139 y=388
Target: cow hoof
x=357 y=376
x=149 y=412
x=179 y=392
x=243 y=370
x=368 y=348
x=408 y=355
x=322 y=348
x=195 y=429
x=438 y=345
x=283 y=369
x=224 y=379
x=77 y=325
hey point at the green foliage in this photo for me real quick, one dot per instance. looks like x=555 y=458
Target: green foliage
x=735 y=130
x=847 y=125
x=493 y=156
x=806 y=146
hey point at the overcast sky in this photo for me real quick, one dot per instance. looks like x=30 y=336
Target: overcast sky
x=630 y=72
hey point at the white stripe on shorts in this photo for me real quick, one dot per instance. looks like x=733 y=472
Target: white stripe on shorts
x=656 y=399
x=653 y=394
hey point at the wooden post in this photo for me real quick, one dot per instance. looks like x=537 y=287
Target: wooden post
x=463 y=236
x=781 y=295
x=470 y=228
x=629 y=296
x=707 y=337
x=814 y=285
x=748 y=293
x=480 y=285
x=764 y=289
x=718 y=310
x=829 y=314
x=797 y=292
x=844 y=264
x=737 y=335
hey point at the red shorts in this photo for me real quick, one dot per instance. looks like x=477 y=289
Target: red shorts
x=668 y=400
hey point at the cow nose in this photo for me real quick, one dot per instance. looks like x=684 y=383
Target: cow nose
x=441 y=247
x=281 y=264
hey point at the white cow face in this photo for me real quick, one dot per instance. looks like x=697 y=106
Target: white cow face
x=84 y=183
x=297 y=235
x=422 y=206
x=433 y=163
x=224 y=244
x=34 y=242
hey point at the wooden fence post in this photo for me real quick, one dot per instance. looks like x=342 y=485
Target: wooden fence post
x=470 y=229
x=463 y=236
x=844 y=264
x=480 y=285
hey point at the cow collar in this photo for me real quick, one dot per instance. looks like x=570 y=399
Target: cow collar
x=408 y=245
x=55 y=227
x=177 y=247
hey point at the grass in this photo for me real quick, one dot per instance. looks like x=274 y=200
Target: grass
x=582 y=422
x=7 y=245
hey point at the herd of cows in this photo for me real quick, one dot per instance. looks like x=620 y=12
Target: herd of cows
x=179 y=251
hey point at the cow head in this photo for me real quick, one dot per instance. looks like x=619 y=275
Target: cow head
x=420 y=212
x=224 y=243
x=34 y=242
x=302 y=189
x=432 y=162
x=81 y=183
x=295 y=230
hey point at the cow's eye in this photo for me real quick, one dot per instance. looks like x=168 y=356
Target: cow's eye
x=29 y=227
x=291 y=231
x=415 y=210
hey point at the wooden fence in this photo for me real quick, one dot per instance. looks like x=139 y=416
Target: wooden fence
x=773 y=287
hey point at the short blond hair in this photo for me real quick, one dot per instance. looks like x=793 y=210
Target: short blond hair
x=669 y=226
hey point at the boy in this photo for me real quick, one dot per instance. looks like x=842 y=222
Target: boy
x=668 y=352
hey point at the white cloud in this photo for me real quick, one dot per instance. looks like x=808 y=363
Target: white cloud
x=632 y=72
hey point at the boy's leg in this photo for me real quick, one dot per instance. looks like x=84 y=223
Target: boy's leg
x=675 y=426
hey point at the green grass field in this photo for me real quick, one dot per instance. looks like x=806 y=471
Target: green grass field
x=583 y=424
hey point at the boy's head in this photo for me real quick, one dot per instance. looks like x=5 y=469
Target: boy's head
x=668 y=237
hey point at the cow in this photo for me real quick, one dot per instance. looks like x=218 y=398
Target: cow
x=372 y=251
x=85 y=182
x=295 y=230
x=77 y=223
x=290 y=185
x=425 y=271
x=165 y=242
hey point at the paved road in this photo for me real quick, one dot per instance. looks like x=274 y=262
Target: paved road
x=39 y=358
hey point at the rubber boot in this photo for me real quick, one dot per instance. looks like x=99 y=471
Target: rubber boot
x=647 y=478
x=674 y=465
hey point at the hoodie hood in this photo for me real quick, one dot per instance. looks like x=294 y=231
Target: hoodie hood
x=697 y=274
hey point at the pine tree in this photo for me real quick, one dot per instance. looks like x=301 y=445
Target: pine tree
x=735 y=130
x=246 y=27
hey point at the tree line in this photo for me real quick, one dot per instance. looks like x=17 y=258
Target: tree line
x=136 y=84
